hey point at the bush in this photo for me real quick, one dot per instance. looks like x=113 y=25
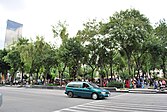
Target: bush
x=115 y=84
x=52 y=84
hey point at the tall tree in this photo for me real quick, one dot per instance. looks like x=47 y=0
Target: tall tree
x=28 y=57
x=71 y=54
x=60 y=31
x=4 y=67
x=49 y=59
x=41 y=50
x=109 y=43
x=129 y=28
x=13 y=58
x=161 y=34
x=89 y=38
x=20 y=46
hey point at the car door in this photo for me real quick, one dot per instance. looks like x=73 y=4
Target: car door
x=77 y=89
x=86 y=90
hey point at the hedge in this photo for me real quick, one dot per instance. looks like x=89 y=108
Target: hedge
x=115 y=84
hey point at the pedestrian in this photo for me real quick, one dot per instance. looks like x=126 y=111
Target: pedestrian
x=163 y=84
x=138 y=83
x=127 y=83
x=104 y=83
x=155 y=84
x=142 y=84
x=134 y=83
x=160 y=84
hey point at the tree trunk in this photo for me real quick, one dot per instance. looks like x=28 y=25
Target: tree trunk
x=106 y=71
x=164 y=67
x=5 y=75
x=128 y=54
x=22 y=76
x=12 y=79
x=138 y=73
x=61 y=73
x=93 y=69
x=129 y=68
x=84 y=73
x=101 y=80
x=92 y=74
x=37 y=76
x=30 y=78
x=111 y=71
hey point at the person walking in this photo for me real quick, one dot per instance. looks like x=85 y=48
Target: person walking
x=160 y=84
x=155 y=84
x=163 y=82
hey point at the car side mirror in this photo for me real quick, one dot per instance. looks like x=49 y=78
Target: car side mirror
x=89 y=87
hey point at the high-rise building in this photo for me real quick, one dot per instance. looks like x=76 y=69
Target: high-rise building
x=13 y=32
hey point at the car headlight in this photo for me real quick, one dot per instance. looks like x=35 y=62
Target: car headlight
x=103 y=93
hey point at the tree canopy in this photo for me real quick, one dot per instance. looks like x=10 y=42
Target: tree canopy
x=120 y=47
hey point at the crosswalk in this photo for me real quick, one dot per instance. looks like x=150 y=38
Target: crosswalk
x=124 y=103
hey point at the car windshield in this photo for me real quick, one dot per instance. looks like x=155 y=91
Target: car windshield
x=94 y=85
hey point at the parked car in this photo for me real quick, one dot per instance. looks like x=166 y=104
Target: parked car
x=0 y=99
x=85 y=89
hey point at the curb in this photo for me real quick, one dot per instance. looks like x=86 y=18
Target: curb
x=146 y=91
x=111 y=89
x=47 y=87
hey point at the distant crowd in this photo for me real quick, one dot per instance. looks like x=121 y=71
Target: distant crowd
x=145 y=83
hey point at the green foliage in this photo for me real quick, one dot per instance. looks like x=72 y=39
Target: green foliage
x=124 y=75
x=4 y=66
x=124 y=43
x=60 y=31
x=115 y=84
x=91 y=40
x=52 y=84
x=155 y=76
x=13 y=58
x=130 y=29
x=161 y=35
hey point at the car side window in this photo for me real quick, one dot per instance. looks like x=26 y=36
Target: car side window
x=70 y=85
x=85 y=85
x=77 y=85
x=74 y=85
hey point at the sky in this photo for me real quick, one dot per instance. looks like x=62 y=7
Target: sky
x=37 y=16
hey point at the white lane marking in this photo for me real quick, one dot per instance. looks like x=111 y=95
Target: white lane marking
x=67 y=109
x=93 y=102
x=123 y=104
x=77 y=105
x=116 y=107
x=88 y=109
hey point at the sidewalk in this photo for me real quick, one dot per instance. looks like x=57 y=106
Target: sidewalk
x=111 y=89
x=137 y=90
x=143 y=91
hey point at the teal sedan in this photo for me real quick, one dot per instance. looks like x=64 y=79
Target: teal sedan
x=85 y=89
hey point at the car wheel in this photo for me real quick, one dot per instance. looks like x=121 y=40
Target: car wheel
x=70 y=94
x=94 y=96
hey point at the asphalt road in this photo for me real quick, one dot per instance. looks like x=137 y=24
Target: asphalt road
x=42 y=100
x=37 y=100
x=127 y=102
